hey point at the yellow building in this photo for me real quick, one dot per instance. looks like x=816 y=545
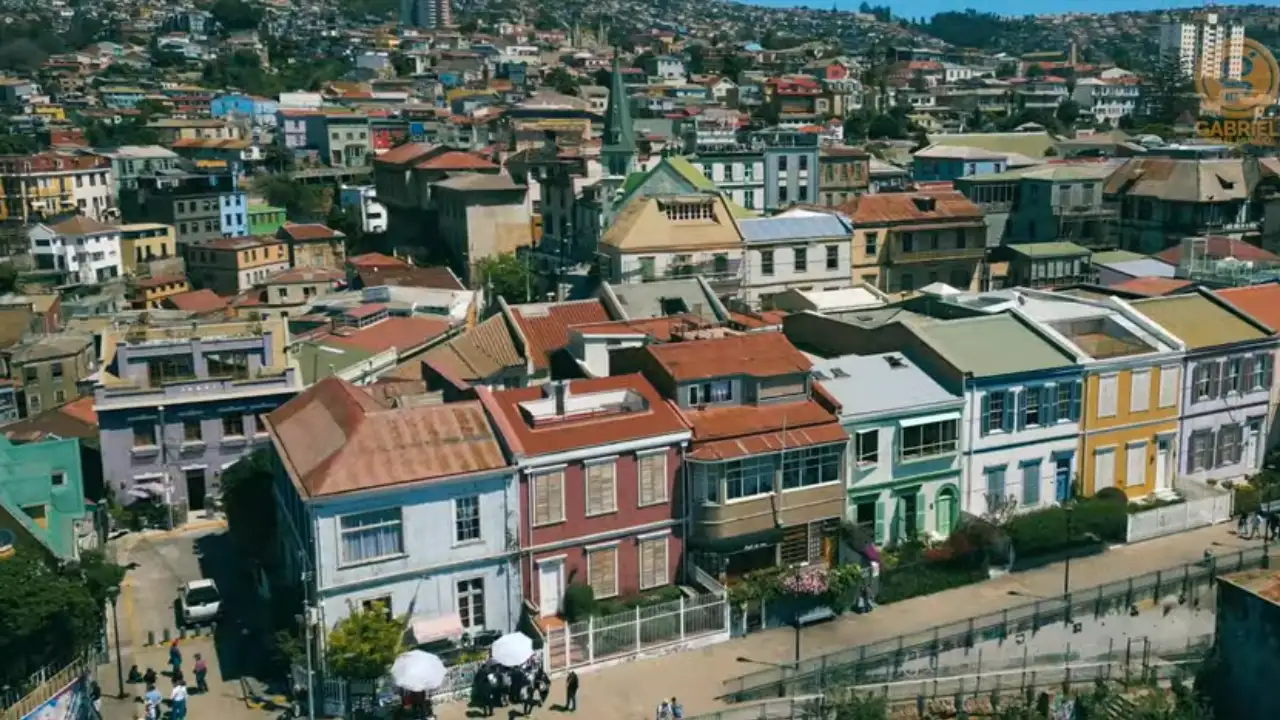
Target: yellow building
x=33 y=187
x=51 y=113
x=149 y=293
x=142 y=243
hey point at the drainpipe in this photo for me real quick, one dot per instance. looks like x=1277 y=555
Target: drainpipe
x=974 y=408
x=687 y=509
x=529 y=535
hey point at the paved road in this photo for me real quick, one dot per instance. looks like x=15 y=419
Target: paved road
x=631 y=691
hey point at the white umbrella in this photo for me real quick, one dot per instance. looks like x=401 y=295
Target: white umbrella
x=512 y=650
x=418 y=671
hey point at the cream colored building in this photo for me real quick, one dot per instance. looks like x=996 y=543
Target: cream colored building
x=673 y=236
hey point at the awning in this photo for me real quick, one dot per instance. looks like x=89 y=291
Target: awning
x=929 y=419
x=437 y=627
x=143 y=492
x=766 y=443
x=736 y=543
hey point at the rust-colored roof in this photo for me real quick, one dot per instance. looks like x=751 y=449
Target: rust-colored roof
x=660 y=329
x=81 y=225
x=81 y=409
x=402 y=333
x=726 y=433
x=1218 y=248
x=756 y=320
x=756 y=354
x=479 y=353
x=904 y=207
x=1151 y=286
x=335 y=438
x=1260 y=302
x=363 y=311
x=305 y=275
x=529 y=437
x=197 y=301
x=546 y=327
x=404 y=275
x=455 y=160
x=404 y=154
x=375 y=259
x=308 y=232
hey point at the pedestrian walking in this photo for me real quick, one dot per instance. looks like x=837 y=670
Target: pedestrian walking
x=95 y=694
x=1273 y=526
x=526 y=698
x=201 y=670
x=178 y=701
x=1255 y=525
x=663 y=712
x=543 y=685
x=571 y=692
x=151 y=701
x=677 y=710
x=175 y=657
x=1242 y=524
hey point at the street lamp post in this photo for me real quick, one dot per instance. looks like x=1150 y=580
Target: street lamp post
x=1066 y=568
x=113 y=594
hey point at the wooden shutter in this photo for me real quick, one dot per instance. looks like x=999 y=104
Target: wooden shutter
x=1268 y=369
x=1246 y=375
x=653 y=563
x=1215 y=380
x=1010 y=410
x=600 y=497
x=879 y=529
x=1139 y=391
x=986 y=413
x=548 y=498
x=1048 y=405
x=603 y=572
x=1020 y=419
x=1169 y=386
x=920 y=513
x=653 y=486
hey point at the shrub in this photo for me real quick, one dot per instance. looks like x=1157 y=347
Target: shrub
x=930 y=571
x=1045 y=531
x=579 y=602
x=1111 y=494
x=1246 y=499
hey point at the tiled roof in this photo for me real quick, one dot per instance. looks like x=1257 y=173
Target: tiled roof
x=479 y=353
x=660 y=329
x=81 y=409
x=1151 y=286
x=335 y=438
x=546 y=327
x=81 y=225
x=754 y=354
x=375 y=259
x=403 y=275
x=455 y=160
x=589 y=430
x=306 y=232
x=903 y=207
x=1218 y=248
x=197 y=301
x=726 y=433
x=402 y=333
x=305 y=275
x=1260 y=302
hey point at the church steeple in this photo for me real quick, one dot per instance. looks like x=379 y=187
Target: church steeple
x=619 y=149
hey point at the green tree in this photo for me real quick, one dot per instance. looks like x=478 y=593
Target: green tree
x=1034 y=71
x=859 y=707
x=1067 y=113
x=735 y=65
x=235 y=15
x=1170 y=94
x=561 y=81
x=363 y=645
x=15 y=144
x=250 y=505
x=507 y=277
x=8 y=277
x=302 y=202
x=697 y=59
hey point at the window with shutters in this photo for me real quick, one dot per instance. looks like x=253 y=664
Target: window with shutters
x=1168 y=386
x=1262 y=369
x=993 y=421
x=1200 y=381
x=1031 y=413
x=1064 y=401
x=652 y=471
x=1135 y=471
x=601 y=496
x=1107 y=391
x=1104 y=468
x=1228 y=450
x=1231 y=376
x=867 y=447
x=548 y=498
x=1031 y=483
x=653 y=562
x=1139 y=391
x=602 y=571
x=1201 y=455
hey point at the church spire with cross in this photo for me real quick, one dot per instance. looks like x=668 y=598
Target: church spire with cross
x=618 y=152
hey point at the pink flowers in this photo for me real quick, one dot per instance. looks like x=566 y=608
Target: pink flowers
x=810 y=581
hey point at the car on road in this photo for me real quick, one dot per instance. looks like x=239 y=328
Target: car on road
x=200 y=602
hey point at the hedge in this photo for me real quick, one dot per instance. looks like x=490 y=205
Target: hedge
x=930 y=576
x=1044 y=532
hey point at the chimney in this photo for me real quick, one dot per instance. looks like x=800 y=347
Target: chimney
x=558 y=390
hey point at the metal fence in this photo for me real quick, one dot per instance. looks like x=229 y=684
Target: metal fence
x=18 y=701
x=338 y=697
x=851 y=667
x=643 y=629
x=1172 y=519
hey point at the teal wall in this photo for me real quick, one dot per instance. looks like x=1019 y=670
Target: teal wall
x=27 y=474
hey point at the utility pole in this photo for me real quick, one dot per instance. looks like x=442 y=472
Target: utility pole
x=1066 y=568
x=113 y=595
x=306 y=624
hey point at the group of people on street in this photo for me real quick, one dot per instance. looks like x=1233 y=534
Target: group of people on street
x=153 y=701
x=670 y=710
x=1250 y=526
x=526 y=687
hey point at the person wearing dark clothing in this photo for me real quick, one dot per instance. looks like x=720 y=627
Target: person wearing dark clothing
x=544 y=687
x=571 y=692
x=526 y=698
x=175 y=658
x=134 y=675
x=149 y=678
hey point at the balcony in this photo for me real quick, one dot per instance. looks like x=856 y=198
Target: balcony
x=972 y=252
x=1085 y=210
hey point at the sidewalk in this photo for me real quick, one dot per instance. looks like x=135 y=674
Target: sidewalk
x=631 y=691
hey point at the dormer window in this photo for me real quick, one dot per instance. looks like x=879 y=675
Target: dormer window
x=715 y=391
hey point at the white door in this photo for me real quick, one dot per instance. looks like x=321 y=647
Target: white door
x=550 y=586
x=1162 y=464
x=1251 y=446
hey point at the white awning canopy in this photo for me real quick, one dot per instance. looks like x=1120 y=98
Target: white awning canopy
x=929 y=419
x=426 y=629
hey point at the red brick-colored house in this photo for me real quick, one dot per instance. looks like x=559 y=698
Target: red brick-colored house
x=598 y=461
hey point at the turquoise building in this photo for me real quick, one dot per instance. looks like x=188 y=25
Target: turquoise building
x=42 y=486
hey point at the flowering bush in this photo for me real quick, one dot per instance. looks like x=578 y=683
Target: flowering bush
x=810 y=581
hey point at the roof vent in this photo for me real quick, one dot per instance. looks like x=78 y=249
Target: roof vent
x=839 y=373
x=924 y=203
x=895 y=362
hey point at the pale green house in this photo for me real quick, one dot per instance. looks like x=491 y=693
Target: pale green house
x=43 y=481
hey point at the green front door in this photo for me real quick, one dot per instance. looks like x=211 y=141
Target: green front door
x=946 y=504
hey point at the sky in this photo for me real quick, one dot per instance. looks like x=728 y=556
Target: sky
x=917 y=8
